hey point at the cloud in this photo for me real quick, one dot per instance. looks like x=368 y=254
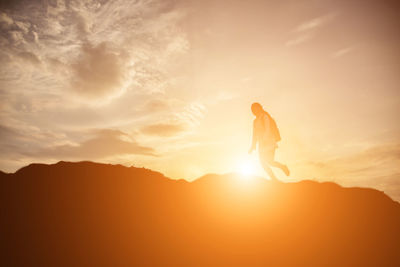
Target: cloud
x=192 y=113
x=307 y=30
x=315 y=23
x=342 y=52
x=15 y=145
x=69 y=66
x=6 y=19
x=105 y=143
x=299 y=40
x=7 y=139
x=17 y=38
x=362 y=163
x=156 y=105
x=375 y=167
x=30 y=57
x=23 y=144
x=163 y=129
x=23 y=26
x=99 y=71
x=105 y=47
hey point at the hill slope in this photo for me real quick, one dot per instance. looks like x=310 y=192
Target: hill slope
x=89 y=214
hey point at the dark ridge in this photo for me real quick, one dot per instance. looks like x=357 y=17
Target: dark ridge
x=35 y=167
x=91 y=214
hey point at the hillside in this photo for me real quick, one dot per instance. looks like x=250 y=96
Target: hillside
x=90 y=214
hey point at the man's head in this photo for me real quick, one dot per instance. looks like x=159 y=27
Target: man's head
x=257 y=109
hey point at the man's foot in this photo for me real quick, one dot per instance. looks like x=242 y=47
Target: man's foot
x=285 y=169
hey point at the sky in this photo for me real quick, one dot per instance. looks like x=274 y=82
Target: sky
x=168 y=85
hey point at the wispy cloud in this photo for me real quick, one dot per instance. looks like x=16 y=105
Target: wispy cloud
x=130 y=42
x=307 y=30
x=105 y=143
x=376 y=166
x=315 y=23
x=299 y=40
x=192 y=113
x=69 y=66
x=163 y=129
x=342 y=52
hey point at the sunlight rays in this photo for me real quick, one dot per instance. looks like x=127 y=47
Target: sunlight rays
x=247 y=167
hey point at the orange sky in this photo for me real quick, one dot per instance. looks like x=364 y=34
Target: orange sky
x=168 y=85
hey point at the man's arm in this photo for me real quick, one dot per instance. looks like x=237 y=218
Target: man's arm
x=254 y=139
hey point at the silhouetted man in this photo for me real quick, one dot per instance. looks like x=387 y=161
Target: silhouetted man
x=266 y=135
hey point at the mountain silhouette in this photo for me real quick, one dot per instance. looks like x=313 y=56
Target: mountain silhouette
x=91 y=214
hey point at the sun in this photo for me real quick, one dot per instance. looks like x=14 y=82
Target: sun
x=247 y=168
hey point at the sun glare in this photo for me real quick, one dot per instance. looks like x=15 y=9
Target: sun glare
x=247 y=168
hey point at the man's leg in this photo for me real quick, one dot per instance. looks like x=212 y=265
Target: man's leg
x=265 y=157
x=268 y=170
x=281 y=166
x=273 y=163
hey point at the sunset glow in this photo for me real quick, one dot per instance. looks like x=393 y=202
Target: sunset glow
x=200 y=133
x=247 y=168
x=168 y=85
